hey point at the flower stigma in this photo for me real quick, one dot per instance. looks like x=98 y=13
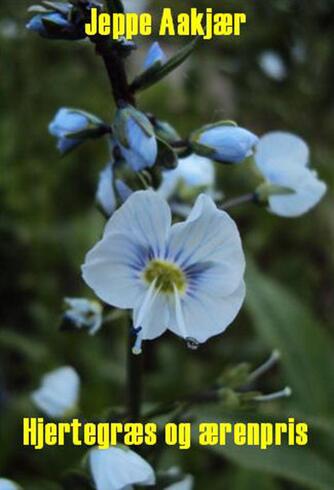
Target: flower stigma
x=166 y=275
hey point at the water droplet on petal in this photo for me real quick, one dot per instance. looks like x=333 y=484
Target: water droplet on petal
x=192 y=343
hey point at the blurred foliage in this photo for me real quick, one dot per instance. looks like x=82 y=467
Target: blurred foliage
x=48 y=222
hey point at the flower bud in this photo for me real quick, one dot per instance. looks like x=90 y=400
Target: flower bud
x=56 y=25
x=105 y=194
x=155 y=56
x=223 y=142
x=135 y=136
x=73 y=126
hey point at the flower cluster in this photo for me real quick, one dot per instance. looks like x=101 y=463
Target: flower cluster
x=185 y=276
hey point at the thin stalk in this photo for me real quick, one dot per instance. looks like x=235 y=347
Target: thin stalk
x=268 y=364
x=236 y=201
x=285 y=393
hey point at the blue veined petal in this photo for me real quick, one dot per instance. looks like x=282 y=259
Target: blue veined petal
x=118 y=468
x=155 y=54
x=280 y=149
x=308 y=190
x=208 y=235
x=59 y=392
x=113 y=269
x=145 y=218
x=230 y=143
x=105 y=194
x=205 y=315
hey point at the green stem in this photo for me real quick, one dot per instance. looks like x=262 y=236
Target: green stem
x=115 y=68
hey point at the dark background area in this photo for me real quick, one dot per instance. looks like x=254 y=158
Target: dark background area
x=48 y=222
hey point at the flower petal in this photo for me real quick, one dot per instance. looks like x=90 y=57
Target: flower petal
x=278 y=149
x=155 y=54
x=113 y=268
x=116 y=468
x=208 y=235
x=206 y=315
x=308 y=192
x=59 y=392
x=145 y=218
x=155 y=322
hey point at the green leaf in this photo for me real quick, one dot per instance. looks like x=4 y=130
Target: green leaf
x=28 y=347
x=301 y=464
x=155 y=73
x=307 y=350
x=244 y=479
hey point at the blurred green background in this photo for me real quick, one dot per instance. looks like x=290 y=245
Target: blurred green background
x=48 y=222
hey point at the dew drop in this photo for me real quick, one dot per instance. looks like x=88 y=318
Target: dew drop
x=192 y=343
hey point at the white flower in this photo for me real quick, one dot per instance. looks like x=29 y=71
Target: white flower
x=59 y=392
x=187 y=278
x=105 y=194
x=118 y=468
x=84 y=313
x=193 y=171
x=8 y=485
x=282 y=158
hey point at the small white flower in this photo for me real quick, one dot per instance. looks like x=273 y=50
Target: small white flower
x=59 y=392
x=8 y=485
x=187 y=277
x=118 y=468
x=193 y=171
x=84 y=313
x=282 y=158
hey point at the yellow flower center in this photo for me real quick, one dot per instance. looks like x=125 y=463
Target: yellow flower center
x=167 y=275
